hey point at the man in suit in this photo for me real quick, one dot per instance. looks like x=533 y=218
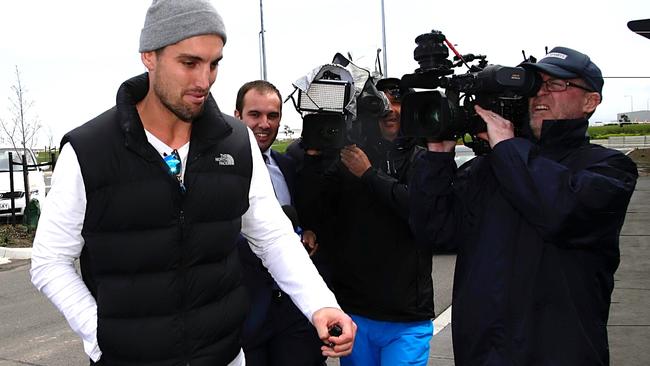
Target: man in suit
x=275 y=331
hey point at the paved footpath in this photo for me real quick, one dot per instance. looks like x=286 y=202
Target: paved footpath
x=629 y=315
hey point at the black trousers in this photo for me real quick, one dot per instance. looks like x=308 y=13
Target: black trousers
x=285 y=338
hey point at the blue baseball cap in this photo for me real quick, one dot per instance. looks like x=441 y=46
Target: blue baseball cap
x=566 y=63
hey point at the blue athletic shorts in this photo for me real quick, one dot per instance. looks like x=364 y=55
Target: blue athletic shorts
x=381 y=343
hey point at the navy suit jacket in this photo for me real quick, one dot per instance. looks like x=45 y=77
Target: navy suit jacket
x=256 y=278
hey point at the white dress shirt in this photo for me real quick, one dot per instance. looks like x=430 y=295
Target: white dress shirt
x=58 y=243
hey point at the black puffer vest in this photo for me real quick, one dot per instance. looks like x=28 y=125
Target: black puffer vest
x=163 y=264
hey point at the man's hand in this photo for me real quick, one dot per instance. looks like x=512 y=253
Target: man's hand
x=323 y=320
x=309 y=241
x=355 y=160
x=498 y=128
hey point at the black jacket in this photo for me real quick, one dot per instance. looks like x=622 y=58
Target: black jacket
x=375 y=268
x=536 y=226
x=162 y=264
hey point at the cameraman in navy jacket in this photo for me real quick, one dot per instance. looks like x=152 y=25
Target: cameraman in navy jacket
x=536 y=226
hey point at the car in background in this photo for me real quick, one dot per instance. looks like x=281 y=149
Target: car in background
x=35 y=177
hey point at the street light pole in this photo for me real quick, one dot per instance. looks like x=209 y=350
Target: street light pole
x=262 y=45
x=383 y=33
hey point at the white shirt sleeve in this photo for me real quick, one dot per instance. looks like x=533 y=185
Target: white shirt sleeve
x=58 y=243
x=271 y=237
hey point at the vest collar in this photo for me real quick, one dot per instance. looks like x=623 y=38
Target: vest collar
x=207 y=130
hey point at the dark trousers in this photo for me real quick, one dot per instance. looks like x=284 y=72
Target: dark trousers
x=285 y=337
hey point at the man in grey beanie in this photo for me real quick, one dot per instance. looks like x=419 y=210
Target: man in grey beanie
x=155 y=192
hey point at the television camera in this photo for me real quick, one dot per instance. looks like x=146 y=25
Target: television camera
x=339 y=105
x=450 y=115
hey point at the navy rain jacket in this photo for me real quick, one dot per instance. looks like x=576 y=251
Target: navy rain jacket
x=536 y=228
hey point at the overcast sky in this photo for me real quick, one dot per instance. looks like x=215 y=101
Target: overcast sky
x=73 y=54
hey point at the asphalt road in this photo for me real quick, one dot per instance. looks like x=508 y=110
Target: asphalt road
x=32 y=332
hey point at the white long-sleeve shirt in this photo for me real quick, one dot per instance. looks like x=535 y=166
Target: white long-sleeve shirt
x=58 y=243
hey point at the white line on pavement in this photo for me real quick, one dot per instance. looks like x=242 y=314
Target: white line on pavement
x=441 y=321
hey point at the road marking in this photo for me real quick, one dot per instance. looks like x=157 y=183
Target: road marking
x=442 y=321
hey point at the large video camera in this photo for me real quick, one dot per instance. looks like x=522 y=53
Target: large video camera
x=339 y=105
x=449 y=116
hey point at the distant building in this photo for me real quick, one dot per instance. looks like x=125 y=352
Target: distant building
x=634 y=117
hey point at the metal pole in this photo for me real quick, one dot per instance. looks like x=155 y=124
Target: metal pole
x=383 y=33
x=11 y=187
x=262 y=45
x=25 y=180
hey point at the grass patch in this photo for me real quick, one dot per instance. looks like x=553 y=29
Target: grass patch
x=281 y=145
x=45 y=156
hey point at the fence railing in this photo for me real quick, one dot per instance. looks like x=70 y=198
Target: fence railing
x=628 y=141
x=624 y=142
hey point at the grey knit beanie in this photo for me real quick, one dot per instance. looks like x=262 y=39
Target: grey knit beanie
x=171 y=21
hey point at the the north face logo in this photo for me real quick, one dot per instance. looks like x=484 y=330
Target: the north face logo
x=224 y=159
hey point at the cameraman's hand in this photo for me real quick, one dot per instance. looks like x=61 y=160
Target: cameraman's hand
x=355 y=160
x=498 y=128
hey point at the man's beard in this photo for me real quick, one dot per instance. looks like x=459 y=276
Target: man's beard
x=184 y=113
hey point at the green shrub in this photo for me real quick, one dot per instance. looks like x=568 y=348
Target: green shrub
x=635 y=129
